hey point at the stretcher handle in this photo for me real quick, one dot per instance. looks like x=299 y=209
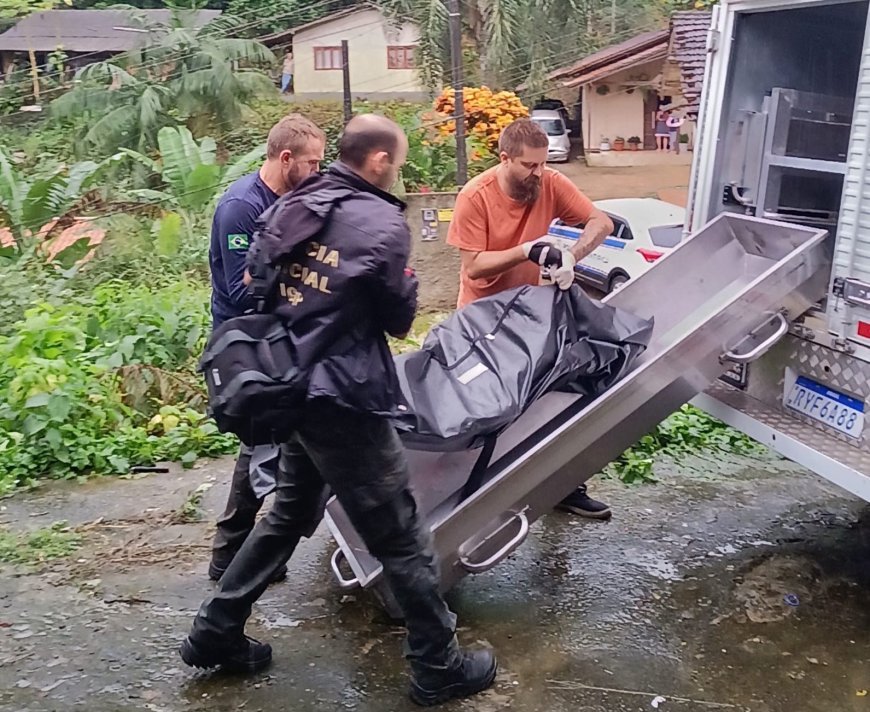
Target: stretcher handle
x=764 y=346
x=479 y=567
x=335 y=563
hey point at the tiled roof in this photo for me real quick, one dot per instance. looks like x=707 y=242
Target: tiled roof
x=651 y=54
x=609 y=55
x=688 y=48
x=89 y=30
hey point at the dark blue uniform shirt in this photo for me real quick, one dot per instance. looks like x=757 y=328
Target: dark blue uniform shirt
x=232 y=230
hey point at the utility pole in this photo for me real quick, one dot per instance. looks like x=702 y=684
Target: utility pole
x=458 y=85
x=613 y=18
x=34 y=74
x=345 y=71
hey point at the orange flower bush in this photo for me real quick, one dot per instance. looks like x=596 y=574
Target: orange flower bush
x=486 y=112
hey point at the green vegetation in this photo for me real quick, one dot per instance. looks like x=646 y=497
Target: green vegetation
x=53 y=542
x=505 y=44
x=83 y=379
x=689 y=431
x=27 y=202
x=98 y=359
x=202 y=77
x=192 y=178
x=190 y=510
x=414 y=340
x=98 y=356
x=264 y=16
x=509 y=43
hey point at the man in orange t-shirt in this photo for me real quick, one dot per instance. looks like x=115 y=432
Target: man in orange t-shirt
x=499 y=224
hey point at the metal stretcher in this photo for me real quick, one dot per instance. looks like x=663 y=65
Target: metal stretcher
x=725 y=296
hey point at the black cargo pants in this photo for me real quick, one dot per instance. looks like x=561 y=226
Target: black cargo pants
x=240 y=513
x=360 y=458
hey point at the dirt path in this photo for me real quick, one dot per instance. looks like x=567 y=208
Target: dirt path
x=636 y=182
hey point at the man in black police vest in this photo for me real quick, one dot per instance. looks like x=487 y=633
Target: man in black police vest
x=343 y=245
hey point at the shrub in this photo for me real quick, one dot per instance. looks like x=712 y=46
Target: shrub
x=83 y=380
x=486 y=112
x=133 y=250
x=431 y=160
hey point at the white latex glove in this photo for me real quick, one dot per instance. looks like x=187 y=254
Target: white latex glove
x=563 y=275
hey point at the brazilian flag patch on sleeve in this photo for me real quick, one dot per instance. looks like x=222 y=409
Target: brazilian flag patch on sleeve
x=238 y=242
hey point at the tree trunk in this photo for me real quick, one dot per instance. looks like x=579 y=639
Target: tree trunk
x=477 y=30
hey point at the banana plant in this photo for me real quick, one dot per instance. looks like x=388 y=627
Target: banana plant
x=206 y=74
x=191 y=176
x=27 y=203
x=192 y=179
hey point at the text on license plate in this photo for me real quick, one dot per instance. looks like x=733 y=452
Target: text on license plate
x=832 y=408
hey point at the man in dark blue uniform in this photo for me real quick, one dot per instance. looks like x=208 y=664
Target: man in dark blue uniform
x=294 y=151
x=342 y=245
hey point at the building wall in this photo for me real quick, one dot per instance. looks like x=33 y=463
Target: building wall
x=368 y=35
x=671 y=79
x=617 y=113
x=672 y=86
x=435 y=262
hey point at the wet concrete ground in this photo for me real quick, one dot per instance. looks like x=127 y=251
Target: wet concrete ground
x=681 y=595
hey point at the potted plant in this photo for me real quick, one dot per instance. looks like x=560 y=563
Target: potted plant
x=634 y=143
x=604 y=145
x=619 y=144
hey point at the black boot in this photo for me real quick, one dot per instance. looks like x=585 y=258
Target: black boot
x=244 y=655
x=475 y=673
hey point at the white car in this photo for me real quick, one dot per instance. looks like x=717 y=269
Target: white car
x=557 y=134
x=645 y=230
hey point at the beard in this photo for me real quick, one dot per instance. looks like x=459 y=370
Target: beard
x=293 y=177
x=525 y=191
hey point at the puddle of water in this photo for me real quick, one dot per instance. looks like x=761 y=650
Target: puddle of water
x=280 y=621
x=653 y=565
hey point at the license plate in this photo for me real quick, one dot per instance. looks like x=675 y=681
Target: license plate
x=836 y=410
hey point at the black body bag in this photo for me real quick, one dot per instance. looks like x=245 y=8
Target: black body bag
x=482 y=368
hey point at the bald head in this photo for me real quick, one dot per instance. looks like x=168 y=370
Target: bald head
x=375 y=147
